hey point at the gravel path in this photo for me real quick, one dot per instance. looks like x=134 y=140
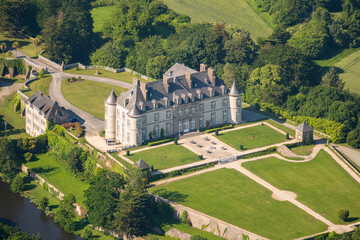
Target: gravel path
x=352 y=154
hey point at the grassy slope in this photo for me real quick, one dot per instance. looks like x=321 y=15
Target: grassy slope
x=89 y=95
x=322 y=185
x=41 y=84
x=100 y=16
x=26 y=45
x=123 y=76
x=334 y=56
x=351 y=75
x=252 y=137
x=282 y=127
x=54 y=171
x=166 y=157
x=234 y=12
x=303 y=150
x=230 y=196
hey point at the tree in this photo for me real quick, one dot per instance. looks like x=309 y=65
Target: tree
x=3 y=46
x=353 y=138
x=332 y=79
x=17 y=184
x=8 y=53
x=197 y=237
x=14 y=17
x=229 y=74
x=15 y=45
x=10 y=163
x=65 y=216
x=102 y=196
x=157 y=66
x=266 y=76
x=37 y=41
x=343 y=214
x=290 y=12
x=109 y=55
x=43 y=204
x=132 y=216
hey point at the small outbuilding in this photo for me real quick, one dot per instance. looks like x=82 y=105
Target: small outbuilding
x=142 y=165
x=304 y=133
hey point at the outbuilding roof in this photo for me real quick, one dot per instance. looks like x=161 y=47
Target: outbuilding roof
x=142 y=164
x=304 y=127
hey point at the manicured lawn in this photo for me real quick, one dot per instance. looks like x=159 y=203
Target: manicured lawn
x=89 y=95
x=303 y=150
x=100 y=16
x=320 y=184
x=122 y=76
x=165 y=157
x=334 y=56
x=234 y=198
x=16 y=124
x=351 y=75
x=26 y=45
x=239 y=13
x=252 y=137
x=41 y=84
x=290 y=131
x=54 y=171
x=194 y=231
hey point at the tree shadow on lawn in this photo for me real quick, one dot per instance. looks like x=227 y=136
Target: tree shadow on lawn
x=351 y=219
x=41 y=170
x=174 y=196
x=29 y=187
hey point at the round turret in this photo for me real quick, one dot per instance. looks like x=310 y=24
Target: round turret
x=110 y=116
x=235 y=104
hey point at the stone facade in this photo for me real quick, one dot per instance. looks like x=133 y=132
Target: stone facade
x=39 y=110
x=183 y=101
x=304 y=133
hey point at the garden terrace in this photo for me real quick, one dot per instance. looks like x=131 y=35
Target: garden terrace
x=26 y=45
x=89 y=95
x=241 y=202
x=41 y=84
x=322 y=185
x=252 y=137
x=165 y=157
x=54 y=171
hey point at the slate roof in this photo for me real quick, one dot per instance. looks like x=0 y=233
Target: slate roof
x=178 y=88
x=47 y=106
x=178 y=70
x=234 y=91
x=111 y=98
x=142 y=164
x=304 y=127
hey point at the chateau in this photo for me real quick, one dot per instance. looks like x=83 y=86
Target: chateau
x=39 y=109
x=184 y=100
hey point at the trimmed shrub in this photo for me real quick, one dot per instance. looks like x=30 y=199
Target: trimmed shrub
x=160 y=142
x=260 y=153
x=287 y=136
x=241 y=147
x=17 y=184
x=343 y=214
x=217 y=133
x=175 y=141
x=127 y=153
x=201 y=157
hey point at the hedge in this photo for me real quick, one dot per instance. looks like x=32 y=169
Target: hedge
x=219 y=128
x=160 y=142
x=261 y=153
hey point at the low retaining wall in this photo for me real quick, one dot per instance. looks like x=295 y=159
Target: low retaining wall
x=178 y=234
x=210 y=224
x=50 y=63
x=51 y=188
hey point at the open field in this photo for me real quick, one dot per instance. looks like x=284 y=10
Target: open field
x=305 y=150
x=234 y=12
x=100 y=16
x=334 y=56
x=123 y=76
x=54 y=171
x=351 y=75
x=322 y=185
x=282 y=127
x=41 y=84
x=252 y=137
x=26 y=45
x=89 y=95
x=242 y=202
x=16 y=124
x=165 y=157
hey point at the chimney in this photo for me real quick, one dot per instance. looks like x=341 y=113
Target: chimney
x=154 y=103
x=126 y=102
x=223 y=90
x=211 y=75
x=166 y=81
x=144 y=90
x=198 y=92
x=142 y=106
x=136 y=81
x=188 y=79
x=202 y=67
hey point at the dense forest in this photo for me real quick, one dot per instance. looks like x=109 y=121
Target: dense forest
x=277 y=73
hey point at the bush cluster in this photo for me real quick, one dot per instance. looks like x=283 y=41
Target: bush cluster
x=74 y=79
x=79 y=129
x=260 y=153
x=160 y=142
x=17 y=65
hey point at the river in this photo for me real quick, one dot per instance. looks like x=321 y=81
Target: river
x=17 y=210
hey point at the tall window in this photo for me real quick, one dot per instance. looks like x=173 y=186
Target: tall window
x=225 y=115
x=213 y=104
x=138 y=138
x=168 y=128
x=238 y=102
x=225 y=102
x=180 y=126
x=128 y=137
x=201 y=121
x=144 y=120
x=201 y=107
x=186 y=111
x=123 y=115
x=144 y=134
x=156 y=131
x=156 y=117
x=128 y=122
x=179 y=113
x=168 y=114
x=193 y=110
x=238 y=116
x=213 y=118
x=138 y=124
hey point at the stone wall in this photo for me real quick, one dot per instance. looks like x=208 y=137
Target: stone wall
x=178 y=234
x=50 y=63
x=210 y=224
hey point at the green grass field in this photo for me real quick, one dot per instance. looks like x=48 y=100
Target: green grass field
x=351 y=75
x=100 y=16
x=166 y=156
x=234 y=12
x=123 y=76
x=252 y=137
x=334 y=56
x=322 y=185
x=282 y=127
x=89 y=95
x=54 y=171
x=41 y=84
x=232 y=197
x=305 y=150
x=26 y=45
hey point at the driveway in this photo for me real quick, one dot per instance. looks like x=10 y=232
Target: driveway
x=8 y=87
x=353 y=155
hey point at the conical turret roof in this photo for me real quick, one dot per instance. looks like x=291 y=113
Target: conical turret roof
x=234 y=91
x=111 y=98
x=134 y=111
